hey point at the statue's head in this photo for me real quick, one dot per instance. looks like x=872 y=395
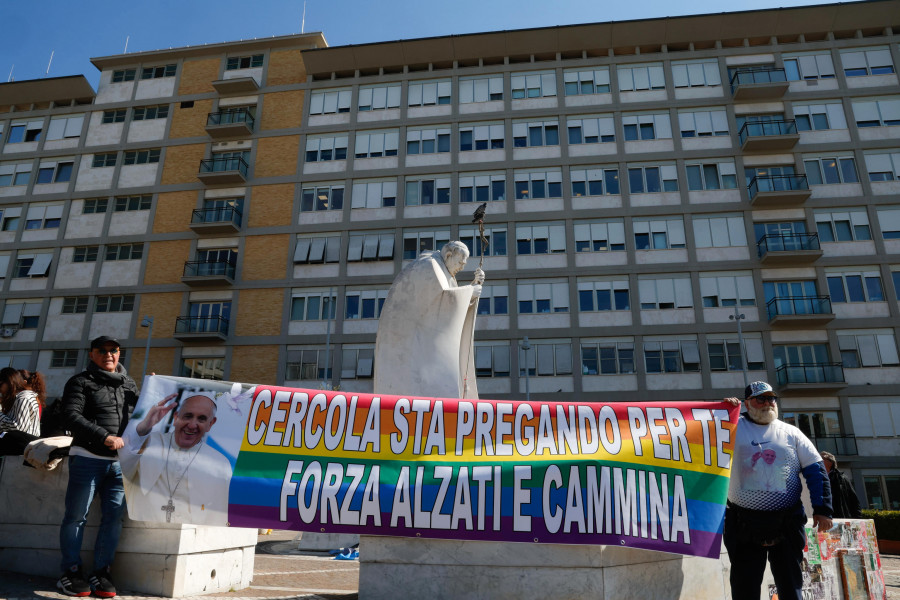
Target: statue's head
x=454 y=255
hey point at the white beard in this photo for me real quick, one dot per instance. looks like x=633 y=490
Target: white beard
x=764 y=415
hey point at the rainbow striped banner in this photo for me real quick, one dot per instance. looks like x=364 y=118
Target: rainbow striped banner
x=647 y=475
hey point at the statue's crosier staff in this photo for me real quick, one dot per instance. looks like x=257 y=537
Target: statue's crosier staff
x=478 y=217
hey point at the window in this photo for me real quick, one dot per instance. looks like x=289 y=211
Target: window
x=540 y=239
x=82 y=254
x=792 y=297
x=308 y=305
x=543 y=298
x=488 y=136
x=357 y=363
x=889 y=220
x=652 y=179
x=895 y=275
x=725 y=354
x=535 y=133
x=43 y=216
x=585 y=82
x=307 y=364
x=146 y=113
x=428 y=93
x=594 y=182
x=22 y=315
x=132 y=203
x=68 y=127
x=325 y=148
x=107 y=304
x=158 y=72
x=371 y=246
x=74 y=305
x=883 y=492
x=591 y=130
x=93 y=206
x=538 y=184
x=495 y=235
x=607 y=357
x=671 y=356
x=114 y=116
x=872 y=61
x=143 y=157
x=329 y=102
x=107 y=159
x=494 y=300
x=818 y=117
x=32 y=264
x=480 y=89
x=203 y=368
x=63 y=358
x=665 y=293
x=597 y=295
x=641 y=77
x=482 y=187
x=318 y=249
x=533 y=85
x=417 y=242
x=491 y=359
x=854 y=286
x=123 y=75
x=809 y=66
x=378 y=143
x=769 y=178
x=124 y=252
x=815 y=424
x=364 y=304
x=727 y=289
x=427 y=190
x=711 y=176
x=546 y=358
x=647 y=127
x=702 y=123
x=658 y=234
x=15 y=173
x=325 y=196
x=600 y=236
x=376 y=194
x=868 y=348
x=242 y=62
x=781 y=236
x=843 y=226
x=821 y=171
x=696 y=73
x=55 y=172
x=378 y=97
x=29 y=131
x=426 y=141
x=877 y=113
x=11 y=216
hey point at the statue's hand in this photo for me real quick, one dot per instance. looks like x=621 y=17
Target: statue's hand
x=476 y=293
x=479 y=277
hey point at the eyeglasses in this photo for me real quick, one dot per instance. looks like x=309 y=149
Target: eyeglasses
x=103 y=351
x=765 y=399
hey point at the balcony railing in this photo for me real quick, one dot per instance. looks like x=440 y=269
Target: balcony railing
x=218 y=325
x=202 y=268
x=836 y=444
x=769 y=135
x=230 y=116
x=802 y=373
x=222 y=165
x=787 y=242
x=777 y=183
x=213 y=216
x=798 y=306
x=758 y=82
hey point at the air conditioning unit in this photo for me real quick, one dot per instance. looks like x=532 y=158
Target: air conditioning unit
x=7 y=332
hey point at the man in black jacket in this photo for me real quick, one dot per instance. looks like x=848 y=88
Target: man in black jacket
x=96 y=405
x=844 y=498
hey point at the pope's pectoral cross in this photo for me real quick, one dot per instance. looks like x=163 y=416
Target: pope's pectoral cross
x=169 y=508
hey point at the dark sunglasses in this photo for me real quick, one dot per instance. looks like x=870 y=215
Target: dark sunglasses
x=103 y=351
x=765 y=399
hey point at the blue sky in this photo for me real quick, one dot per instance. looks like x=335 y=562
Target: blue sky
x=76 y=30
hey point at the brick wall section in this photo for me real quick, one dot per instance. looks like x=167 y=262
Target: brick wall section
x=173 y=211
x=286 y=67
x=197 y=75
x=163 y=307
x=182 y=163
x=265 y=257
x=254 y=364
x=161 y=361
x=281 y=110
x=272 y=205
x=190 y=122
x=165 y=261
x=276 y=156
x=259 y=312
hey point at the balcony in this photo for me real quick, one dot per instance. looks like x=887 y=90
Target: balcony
x=201 y=329
x=223 y=171
x=777 y=191
x=799 y=311
x=230 y=123
x=839 y=445
x=216 y=220
x=788 y=248
x=202 y=273
x=237 y=85
x=810 y=377
x=767 y=136
x=758 y=83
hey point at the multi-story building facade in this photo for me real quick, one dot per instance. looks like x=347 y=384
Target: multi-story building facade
x=675 y=206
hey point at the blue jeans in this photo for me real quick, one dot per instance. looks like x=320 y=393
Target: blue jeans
x=88 y=476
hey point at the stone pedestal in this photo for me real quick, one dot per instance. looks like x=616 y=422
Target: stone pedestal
x=154 y=558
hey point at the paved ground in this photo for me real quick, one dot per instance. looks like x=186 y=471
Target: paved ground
x=288 y=574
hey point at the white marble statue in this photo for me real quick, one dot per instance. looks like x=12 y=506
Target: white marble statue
x=424 y=345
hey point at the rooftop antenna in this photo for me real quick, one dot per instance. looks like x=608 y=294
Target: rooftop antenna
x=125 y=51
x=303 y=19
x=10 y=78
x=47 y=72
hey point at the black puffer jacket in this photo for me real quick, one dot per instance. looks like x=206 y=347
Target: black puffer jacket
x=96 y=404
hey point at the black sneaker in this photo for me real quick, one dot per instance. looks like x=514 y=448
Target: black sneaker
x=101 y=583
x=73 y=583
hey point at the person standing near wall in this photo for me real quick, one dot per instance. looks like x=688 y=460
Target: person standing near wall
x=845 y=500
